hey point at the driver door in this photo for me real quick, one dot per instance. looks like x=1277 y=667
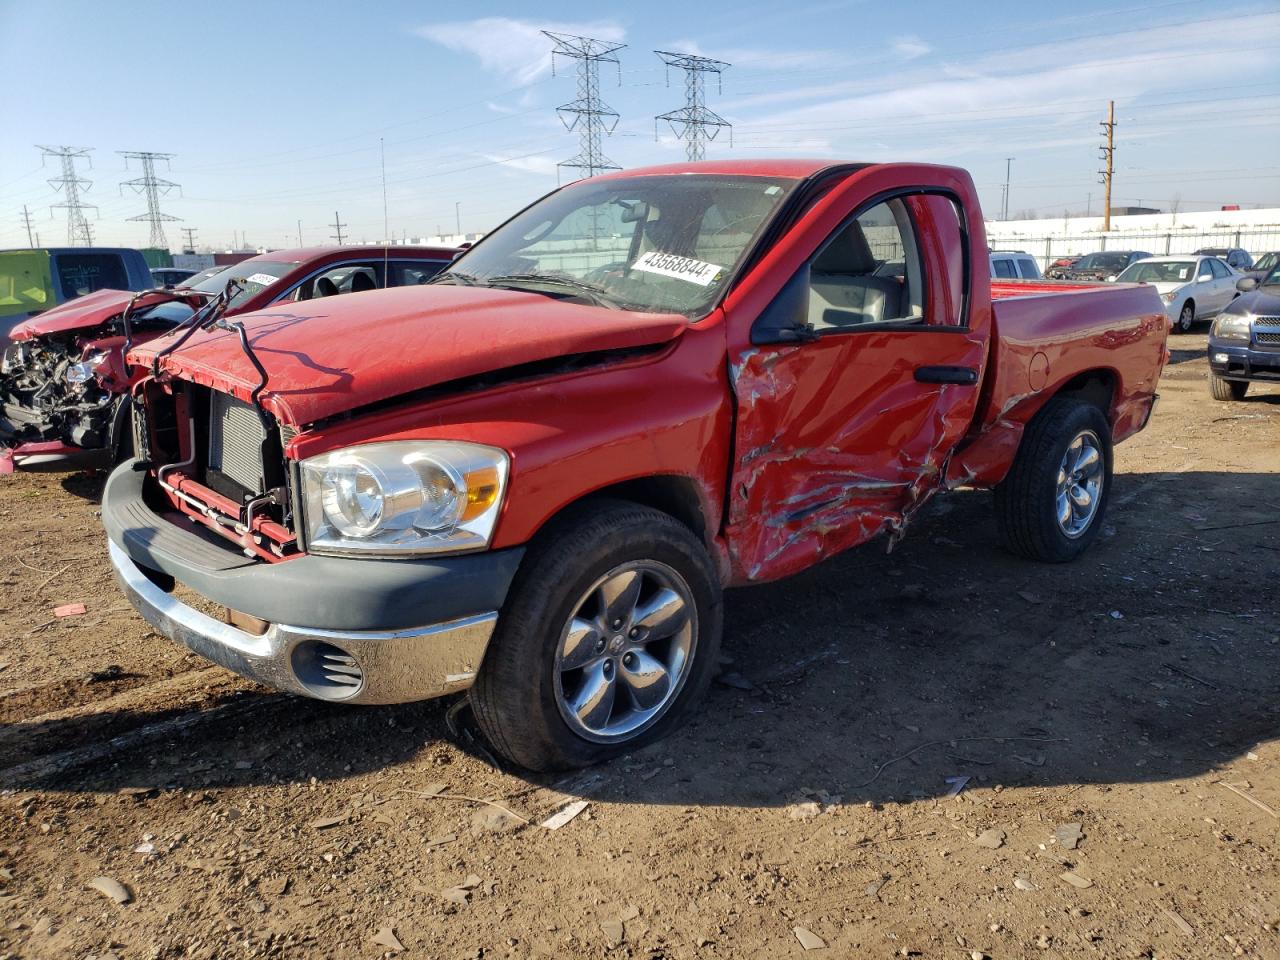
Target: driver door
x=862 y=376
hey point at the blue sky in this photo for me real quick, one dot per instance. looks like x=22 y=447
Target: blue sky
x=274 y=110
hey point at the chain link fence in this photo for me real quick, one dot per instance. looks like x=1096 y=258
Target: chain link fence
x=1158 y=243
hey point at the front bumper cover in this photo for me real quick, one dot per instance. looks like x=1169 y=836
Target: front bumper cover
x=357 y=630
x=1233 y=360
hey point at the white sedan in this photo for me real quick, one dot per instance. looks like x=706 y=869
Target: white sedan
x=1191 y=287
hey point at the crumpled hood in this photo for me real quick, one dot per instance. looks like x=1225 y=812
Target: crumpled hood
x=83 y=313
x=325 y=357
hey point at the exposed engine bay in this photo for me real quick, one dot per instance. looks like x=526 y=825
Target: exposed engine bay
x=49 y=390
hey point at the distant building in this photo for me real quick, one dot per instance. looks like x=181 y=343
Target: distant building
x=1133 y=211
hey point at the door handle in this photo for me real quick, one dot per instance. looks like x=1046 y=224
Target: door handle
x=962 y=375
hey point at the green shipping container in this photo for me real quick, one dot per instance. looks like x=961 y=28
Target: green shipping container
x=156 y=257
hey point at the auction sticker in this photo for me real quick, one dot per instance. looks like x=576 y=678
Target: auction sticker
x=681 y=268
x=265 y=279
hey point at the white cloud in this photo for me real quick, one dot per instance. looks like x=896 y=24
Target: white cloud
x=529 y=164
x=759 y=59
x=516 y=50
x=910 y=47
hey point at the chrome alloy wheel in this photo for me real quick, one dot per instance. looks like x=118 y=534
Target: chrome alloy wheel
x=625 y=653
x=1080 y=477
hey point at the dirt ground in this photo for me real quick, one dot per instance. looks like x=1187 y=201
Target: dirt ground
x=1117 y=721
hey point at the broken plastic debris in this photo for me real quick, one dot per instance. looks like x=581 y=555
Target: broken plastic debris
x=809 y=940
x=386 y=937
x=957 y=784
x=1069 y=835
x=1076 y=880
x=563 y=816
x=991 y=839
x=69 y=610
x=113 y=889
x=1022 y=883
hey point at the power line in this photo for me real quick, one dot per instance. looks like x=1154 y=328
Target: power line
x=591 y=116
x=694 y=123
x=337 y=227
x=153 y=188
x=70 y=185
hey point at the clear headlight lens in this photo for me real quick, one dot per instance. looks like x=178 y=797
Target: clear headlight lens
x=1233 y=327
x=1169 y=297
x=413 y=496
x=83 y=371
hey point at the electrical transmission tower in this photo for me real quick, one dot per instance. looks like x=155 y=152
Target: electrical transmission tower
x=588 y=114
x=154 y=188
x=694 y=123
x=71 y=185
x=338 y=227
x=1108 y=154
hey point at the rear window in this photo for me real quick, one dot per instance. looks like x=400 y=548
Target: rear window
x=81 y=273
x=1003 y=269
x=25 y=284
x=1029 y=269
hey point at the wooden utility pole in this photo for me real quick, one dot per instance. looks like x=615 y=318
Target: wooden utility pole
x=26 y=218
x=338 y=234
x=1109 y=155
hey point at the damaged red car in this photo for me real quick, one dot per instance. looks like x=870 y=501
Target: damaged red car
x=536 y=477
x=64 y=390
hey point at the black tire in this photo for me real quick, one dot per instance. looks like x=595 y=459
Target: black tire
x=1025 y=501
x=1187 y=318
x=514 y=697
x=121 y=439
x=1223 y=389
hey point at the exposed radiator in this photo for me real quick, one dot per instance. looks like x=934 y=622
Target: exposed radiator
x=235 y=441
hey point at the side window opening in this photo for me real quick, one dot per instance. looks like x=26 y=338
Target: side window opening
x=1002 y=267
x=343 y=278
x=1205 y=270
x=869 y=272
x=81 y=273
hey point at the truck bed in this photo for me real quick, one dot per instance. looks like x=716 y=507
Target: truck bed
x=1048 y=334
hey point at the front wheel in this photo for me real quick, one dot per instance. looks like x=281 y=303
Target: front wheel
x=1223 y=389
x=1051 y=504
x=1187 y=318
x=610 y=635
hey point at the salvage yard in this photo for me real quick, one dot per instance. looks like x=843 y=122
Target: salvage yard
x=945 y=752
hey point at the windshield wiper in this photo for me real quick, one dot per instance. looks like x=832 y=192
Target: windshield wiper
x=466 y=279
x=595 y=294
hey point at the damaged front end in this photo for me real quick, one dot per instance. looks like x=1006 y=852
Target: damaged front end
x=61 y=390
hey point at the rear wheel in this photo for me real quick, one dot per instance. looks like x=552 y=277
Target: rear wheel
x=610 y=635
x=1187 y=318
x=1051 y=504
x=1223 y=389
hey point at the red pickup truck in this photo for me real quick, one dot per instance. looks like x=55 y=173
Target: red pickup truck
x=63 y=383
x=536 y=476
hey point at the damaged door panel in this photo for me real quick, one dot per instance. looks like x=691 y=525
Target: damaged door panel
x=841 y=436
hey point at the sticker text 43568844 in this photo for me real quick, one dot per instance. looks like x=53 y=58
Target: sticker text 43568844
x=681 y=268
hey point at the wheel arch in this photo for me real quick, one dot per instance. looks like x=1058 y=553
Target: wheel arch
x=679 y=496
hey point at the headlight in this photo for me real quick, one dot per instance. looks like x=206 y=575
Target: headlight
x=83 y=371
x=1171 y=296
x=1231 y=327
x=413 y=496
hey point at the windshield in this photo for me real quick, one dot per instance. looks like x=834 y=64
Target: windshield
x=666 y=244
x=1266 y=262
x=1102 y=261
x=1159 y=271
x=254 y=276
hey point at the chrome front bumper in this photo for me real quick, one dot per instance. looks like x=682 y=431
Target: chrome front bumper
x=391 y=666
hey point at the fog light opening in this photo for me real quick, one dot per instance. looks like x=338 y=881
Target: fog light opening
x=326 y=671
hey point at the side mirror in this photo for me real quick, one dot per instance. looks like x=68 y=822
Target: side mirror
x=1203 y=279
x=1247 y=284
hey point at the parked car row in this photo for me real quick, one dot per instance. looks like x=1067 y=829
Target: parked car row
x=64 y=382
